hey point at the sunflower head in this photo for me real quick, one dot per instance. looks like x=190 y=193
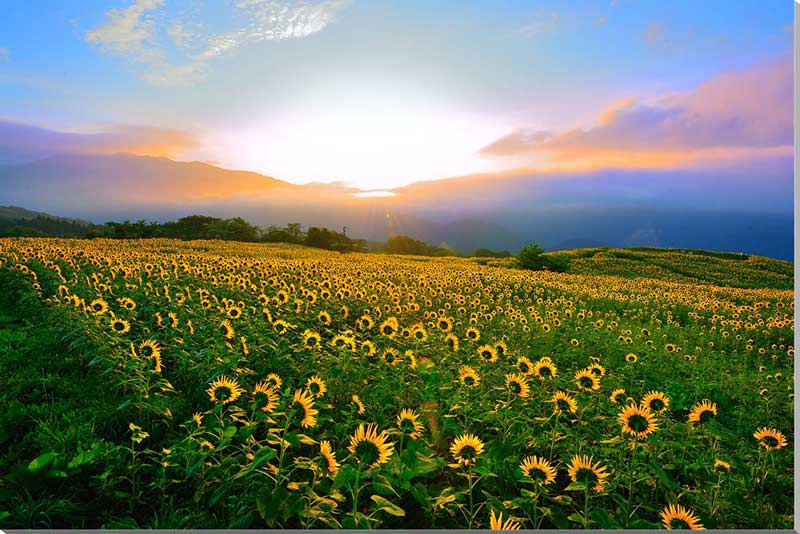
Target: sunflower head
x=582 y=470
x=637 y=421
x=224 y=390
x=703 y=411
x=676 y=516
x=545 y=369
x=564 y=403
x=370 y=448
x=538 y=470
x=265 y=396
x=316 y=386
x=617 y=396
x=487 y=353
x=468 y=376
x=655 y=401
x=770 y=438
x=305 y=400
x=518 y=385
x=587 y=380
x=496 y=522
x=329 y=456
x=408 y=423
x=465 y=449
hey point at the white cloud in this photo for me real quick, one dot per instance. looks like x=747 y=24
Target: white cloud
x=134 y=32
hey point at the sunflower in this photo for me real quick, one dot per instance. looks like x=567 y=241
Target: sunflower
x=368 y=348
x=452 y=341
x=311 y=340
x=408 y=423
x=563 y=402
x=150 y=348
x=538 y=470
x=655 y=401
x=596 y=369
x=617 y=396
x=389 y=327
x=419 y=334
x=265 y=396
x=227 y=329
x=518 y=385
x=197 y=417
x=587 y=380
x=364 y=322
x=234 y=312
x=545 y=369
x=631 y=358
x=327 y=453
x=496 y=522
x=472 y=333
x=306 y=402
x=274 y=380
x=120 y=326
x=501 y=348
x=359 y=405
x=581 y=469
x=444 y=324
x=369 y=447
x=465 y=449
x=722 y=465
x=524 y=366
x=676 y=516
x=702 y=411
x=770 y=438
x=638 y=421
x=98 y=306
x=324 y=318
x=487 y=353
x=391 y=356
x=316 y=386
x=468 y=376
x=224 y=390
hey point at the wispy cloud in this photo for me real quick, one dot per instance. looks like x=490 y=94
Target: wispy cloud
x=732 y=113
x=138 y=33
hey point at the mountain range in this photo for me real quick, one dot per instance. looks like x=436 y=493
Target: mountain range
x=610 y=207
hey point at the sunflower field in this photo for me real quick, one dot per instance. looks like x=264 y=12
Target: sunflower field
x=212 y=384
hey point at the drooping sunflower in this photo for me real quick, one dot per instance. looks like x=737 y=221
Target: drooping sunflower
x=637 y=421
x=563 y=402
x=770 y=438
x=631 y=358
x=311 y=340
x=496 y=522
x=581 y=469
x=306 y=402
x=703 y=411
x=539 y=470
x=617 y=396
x=487 y=353
x=359 y=405
x=265 y=396
x=722 y=466
x=524 y=366
x=274 y=380
x=545 y=369
x=120 y=326
x=227 y=329
x=98 y=306
x=587 y=380
x=324 y=318
x=370 y=448
x=655 y=401
x=468 y=376
x=326 y=450
x=676 y=516
x=316 y=386
x=408 y=423
x=224 y=390
x=452 y=341
x=518 y=385
x=368 y=348
x=465 y=449
x=501 y=348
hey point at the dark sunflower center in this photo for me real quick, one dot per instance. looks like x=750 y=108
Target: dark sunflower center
x=312 y=341
x=586 y=382
x=419 y=335
x=586 y=476
x=443 y=325
x=389 y=358
x=515 y=387
x=546 y=372
x=467 y=452
x=339 y=342
x=407 y=426
x=638 y=423
x=706 y=415
x=367 y=452
x=469 y=380
x=314 y=387
x=657 y=405
x=388 y=329
x=524 y=367
x=147 y=351
x=471 y=335
x=223 y=392
x=679 y=524
x=537 y=474
x=119 y=326
x=563 y=405
x=770 y=441
x=595 y=371
x=486 y=355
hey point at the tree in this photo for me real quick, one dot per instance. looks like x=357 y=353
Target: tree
x=532 y=257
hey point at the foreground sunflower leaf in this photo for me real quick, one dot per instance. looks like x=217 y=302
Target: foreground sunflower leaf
x=387 y=506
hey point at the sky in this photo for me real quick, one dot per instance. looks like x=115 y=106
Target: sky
x=378 y=94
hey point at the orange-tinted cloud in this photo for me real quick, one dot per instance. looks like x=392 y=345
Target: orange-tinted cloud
x=20 y=142
x=730 y=115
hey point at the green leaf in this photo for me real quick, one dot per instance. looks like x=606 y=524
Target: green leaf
x=229 y=432
x=388 y=507
x=42 y=461
x=576 y=486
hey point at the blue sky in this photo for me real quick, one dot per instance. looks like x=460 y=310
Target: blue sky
x=381 y=93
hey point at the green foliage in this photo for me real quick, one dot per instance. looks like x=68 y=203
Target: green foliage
x=532 y=257
x=403 y=244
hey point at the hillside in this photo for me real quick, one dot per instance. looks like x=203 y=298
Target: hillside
x=683 y=265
